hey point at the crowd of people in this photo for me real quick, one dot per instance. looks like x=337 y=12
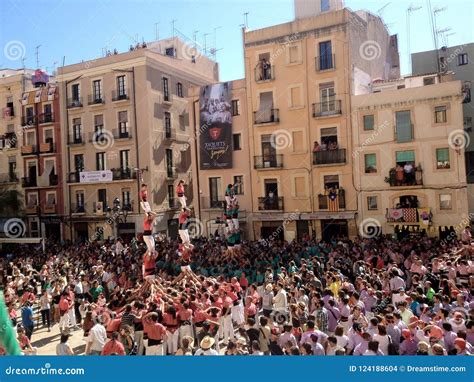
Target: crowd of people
x=363 y=297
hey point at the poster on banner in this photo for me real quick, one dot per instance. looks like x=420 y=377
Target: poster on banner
x=215 y=132
x=95 y=176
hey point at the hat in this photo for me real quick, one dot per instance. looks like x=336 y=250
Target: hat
x=302 y=305
x=269 y=287
x=207 y=342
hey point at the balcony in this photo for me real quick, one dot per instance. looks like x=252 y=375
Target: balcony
x=268 y=161
x=121 y=134
x=262 y=75
x=326 y=157
x=408 y=215
x=49 y=209
x=28 y=182
x=29 y=120
x=46 y=118
x=78 y=208
x=271 y=204
x=327 y=62
x=122 y=173
x=95 y=100
x=74 y=177
x=47 y=147
x=76 y=140
x=212 y=203
x=74 y=102
x=169 y=134
x=8 y=178
x=328 y=108
x=31 y=210
x=398 y=177
x=339 y=203
x=29 y=150
x=266 y=116
x=120 y=96
x=171 y=173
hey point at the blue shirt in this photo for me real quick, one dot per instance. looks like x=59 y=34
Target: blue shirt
x=27 y=316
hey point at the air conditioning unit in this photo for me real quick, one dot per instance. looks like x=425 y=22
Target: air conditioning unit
x=99 y=208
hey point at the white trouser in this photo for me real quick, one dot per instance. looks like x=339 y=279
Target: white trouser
x=228 y=328
x=237 y=313
x=172 y=341
x=227 y=201
x=64 y=321
x=72 y=317
x=230 y=224
x=156 y=349
x=186 y=330
x=182 y=200
x=236 y=223
x=150 y=242
x=184 y=235
x=138 y=337
x=145 y=207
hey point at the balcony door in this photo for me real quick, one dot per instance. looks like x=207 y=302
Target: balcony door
x=32 y=170
x=328 y=97
x=271 y=194
x=268 y=151
x=265 y=109
x=215 y=188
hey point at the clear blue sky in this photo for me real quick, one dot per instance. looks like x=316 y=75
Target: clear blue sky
x=79 y=30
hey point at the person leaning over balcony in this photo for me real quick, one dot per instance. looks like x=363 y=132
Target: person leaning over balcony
x=399 y=175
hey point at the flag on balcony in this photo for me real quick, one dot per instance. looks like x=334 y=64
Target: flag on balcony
x=333 y=201
x=409 y=215
x=424 y=215
x=394 y=214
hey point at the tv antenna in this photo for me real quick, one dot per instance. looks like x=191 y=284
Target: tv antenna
x=381 y=10
x=37 y=56
x=246 y=20
x=410 y=9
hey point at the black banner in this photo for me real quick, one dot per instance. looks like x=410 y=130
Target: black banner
x=215 y=131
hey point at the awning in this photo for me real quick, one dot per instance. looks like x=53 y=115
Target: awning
x=343 y=215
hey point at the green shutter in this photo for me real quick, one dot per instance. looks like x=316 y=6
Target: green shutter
x=368 y=122
x=370 y=161
x=403 y=126
x=442 y=155
x=405 y=156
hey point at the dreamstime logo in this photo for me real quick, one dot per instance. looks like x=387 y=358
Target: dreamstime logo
x=103 y=139
x=458 y=139
x=370 y=50
x=14 y=50
x=369 y=228
x=14 y=228
x=195 y=227
x=281 y=139
x=190 y=51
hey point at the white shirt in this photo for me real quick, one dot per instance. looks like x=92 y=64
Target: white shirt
x=98 y=337
x=206 y=352
x=280 y=302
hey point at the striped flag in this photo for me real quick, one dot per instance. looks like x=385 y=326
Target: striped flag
x=333 y=201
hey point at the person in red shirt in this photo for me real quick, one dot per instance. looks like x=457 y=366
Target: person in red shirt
x=250 y=309
x=156 y=334
x=180 y=193
x=185 y=317
x=144 y=199
x=170 y=320
x=113 y=346
x=149 y=265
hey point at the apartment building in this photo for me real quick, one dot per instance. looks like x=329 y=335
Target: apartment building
x=210 y=183
x=12 y=85
x=41 y=151
x=458 y=59
x=409 y=167
x=299 y=79
x=126 y=122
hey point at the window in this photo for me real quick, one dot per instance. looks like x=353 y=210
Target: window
x=79 y=162
x=170 y=52
x=404 y=128
x=462 y=59
x=372 y=203
x=324 y=5
x=300 y=188
x=370 y=161
x=295 y=97
x=182 y=122
x=293 y=53
x=467 y=123
x=445 y=202
x=400 y=87
x=167 y=122
x=235 y=107
x=369 y=122
x=100 y=161
x=12 y=168
x=169 y=163
x=10 y=106
x=239 y=184
x=440 y=114
x=325 y=55
x=428 y=81
x=442 y=158
x=179 y=89
x=298 y=141
x=80 y=201
x=75 y=93
x=236 y=141
x=30 y=138
x=171 y=200
x=328 y=98
x=102 y=197
x=48 y=136
x=97 y=90
x=121 y=87
x=76 y=130
x=126 y=200
x=123 y=124
x=166 y=93
x=124 y=163
x=98 y=127
x=50 y=198
x=214 y=191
